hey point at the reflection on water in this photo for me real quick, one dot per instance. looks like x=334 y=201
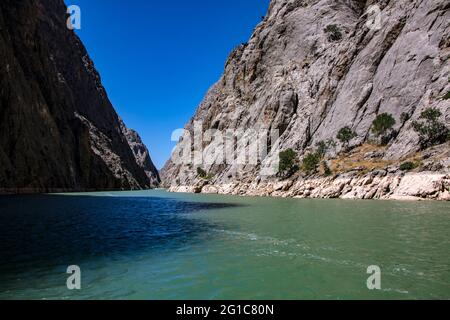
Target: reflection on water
x=44 y=231
x=152 y=245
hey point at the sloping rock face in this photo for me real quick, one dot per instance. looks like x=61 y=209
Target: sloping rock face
x=141 y=154
x=58 y=130
x=296 y=77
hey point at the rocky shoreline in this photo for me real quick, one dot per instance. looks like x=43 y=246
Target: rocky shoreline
x=378 y=185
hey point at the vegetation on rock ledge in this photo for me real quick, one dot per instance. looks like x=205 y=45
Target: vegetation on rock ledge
x=203 y=174
x=311 y=162
x=430 y=129
x=345 y=135
x=334 y=33
x=382 y=127
x=288 y=165
x=408 y=166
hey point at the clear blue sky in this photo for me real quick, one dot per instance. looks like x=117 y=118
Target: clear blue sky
x=157 y=59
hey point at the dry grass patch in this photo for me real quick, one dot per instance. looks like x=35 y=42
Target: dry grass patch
x=357 y=160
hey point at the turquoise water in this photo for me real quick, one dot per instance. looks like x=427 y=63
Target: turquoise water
x=155 y=245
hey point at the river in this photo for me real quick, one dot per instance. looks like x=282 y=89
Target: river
x=156 y=245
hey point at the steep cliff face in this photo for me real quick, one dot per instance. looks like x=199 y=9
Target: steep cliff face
x=295 y=76
x=58 y=130
x=141 y=154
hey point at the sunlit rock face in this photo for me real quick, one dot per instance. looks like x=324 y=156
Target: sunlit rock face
x=307 y=82
x=59 y=131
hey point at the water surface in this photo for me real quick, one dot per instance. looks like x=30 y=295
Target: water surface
x=155 y=245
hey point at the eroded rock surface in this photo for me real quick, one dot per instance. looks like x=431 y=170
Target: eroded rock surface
x=293 y=76
x=58 y=130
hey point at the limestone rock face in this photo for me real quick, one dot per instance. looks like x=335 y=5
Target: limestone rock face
x=294 y=76
x=58 y=129
x=422 y=185
x=410 y=187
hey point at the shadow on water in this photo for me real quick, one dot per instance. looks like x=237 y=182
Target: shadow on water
x=48 y=231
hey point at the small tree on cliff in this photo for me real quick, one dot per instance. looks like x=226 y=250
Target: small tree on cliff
x=201 y=173
x=345 y=135
x=382 y=127
x=288 y=164
x=326 y=169
x=324 y=146
x=311 y=163
x=431 y=131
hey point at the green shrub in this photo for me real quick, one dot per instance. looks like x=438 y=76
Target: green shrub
x=405 y=117
x=345 y=135
x=324 y=146
x=446 y=96
x=204 y=175
x=311 y=162
x=408 y=166
x=201 y=173
x=326 y=169
x=383 y=125
x=334 y=33
x=431 y=131
x=287 y=162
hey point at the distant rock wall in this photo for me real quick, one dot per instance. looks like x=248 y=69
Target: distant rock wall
x=142 y=155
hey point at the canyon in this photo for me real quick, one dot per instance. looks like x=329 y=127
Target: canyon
x=311 y=70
